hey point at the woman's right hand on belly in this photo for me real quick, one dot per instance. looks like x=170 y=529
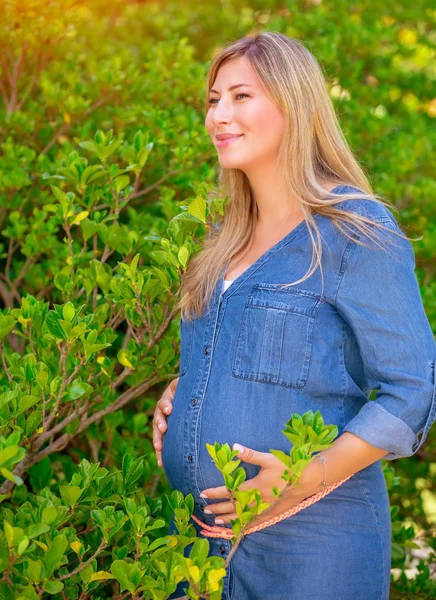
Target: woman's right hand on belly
x=162 y=410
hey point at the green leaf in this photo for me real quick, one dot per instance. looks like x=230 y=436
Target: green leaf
x=22 y=546
x=6 y=592
x=121 y=570
x=8 y=453
x=53 y=587
x=35 y=530
x=211 y=450
x=52 y=322
x=91 y=174
x=25 y=402
x=86 y=573
x=101 y=575
x=49 y=515
x=32 y=421
x=199 y=552
x=183 y=256
x=14 y=478
x=123 y=358
x=197 y=208
x=230 y=467
x=238 y=478
x=33 y=570
x=68 y=311
x=121 y=182
x=70 y=494
x=77 y=389
x=283 y=457
x=7 y=323
x=54 y=554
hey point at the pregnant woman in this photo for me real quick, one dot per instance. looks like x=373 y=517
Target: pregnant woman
x=304 y=297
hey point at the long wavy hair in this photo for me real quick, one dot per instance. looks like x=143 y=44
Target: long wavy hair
x=313 y=149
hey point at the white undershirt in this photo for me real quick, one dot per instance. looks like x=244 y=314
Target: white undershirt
x=227 y=283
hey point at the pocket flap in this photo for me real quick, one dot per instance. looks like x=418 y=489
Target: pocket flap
x=291 y=299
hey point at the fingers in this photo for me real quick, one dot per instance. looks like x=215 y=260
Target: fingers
x=226 y=519
x=254 y=457
x=218 y=492
x=162 y=410
x=160 y=421
x=221 y=508
x=165 y=403
x=157 y=443
x=157 y=438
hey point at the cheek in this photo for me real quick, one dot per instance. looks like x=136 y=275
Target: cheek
x=208 y=123
x=264 y=121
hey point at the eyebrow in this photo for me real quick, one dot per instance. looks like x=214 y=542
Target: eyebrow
x=234 y=87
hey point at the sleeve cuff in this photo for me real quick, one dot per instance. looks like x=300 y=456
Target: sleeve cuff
x=382 y=429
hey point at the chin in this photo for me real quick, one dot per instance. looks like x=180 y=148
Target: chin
x=229 y=164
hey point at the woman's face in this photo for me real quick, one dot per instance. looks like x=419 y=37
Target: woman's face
x=245 y=111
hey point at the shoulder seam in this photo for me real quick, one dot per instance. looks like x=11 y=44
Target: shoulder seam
x=346 y=251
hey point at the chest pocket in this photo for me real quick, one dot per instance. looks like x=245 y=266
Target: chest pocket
x=186 y=335
x=275 y=338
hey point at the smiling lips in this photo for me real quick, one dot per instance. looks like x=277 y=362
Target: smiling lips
x=228 y=139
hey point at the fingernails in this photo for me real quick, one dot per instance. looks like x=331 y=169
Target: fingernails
x=203 y=495
x=159 y=462
x=219 y=521
x=166 y=410
x=207 y=512
x=238 y=447
x=161 y=427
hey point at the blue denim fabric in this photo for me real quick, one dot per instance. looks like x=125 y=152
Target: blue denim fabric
x=260 y=354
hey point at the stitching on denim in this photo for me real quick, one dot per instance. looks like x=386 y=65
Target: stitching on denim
x=374 y=510
x=343 y=267
x=230 y=582
x=422 y=434
x=383 y=220
x=262 y=343
x=345 y=378
x=276 y=287
x=292 y=309
x=281 y=357
x=308 y=356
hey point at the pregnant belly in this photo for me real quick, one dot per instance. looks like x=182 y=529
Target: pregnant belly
x=174 y=454
x=186 y=461
x=251 y=415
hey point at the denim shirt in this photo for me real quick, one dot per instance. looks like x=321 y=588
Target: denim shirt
x=261 y=353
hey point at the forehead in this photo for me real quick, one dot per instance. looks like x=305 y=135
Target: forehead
x=237 y=70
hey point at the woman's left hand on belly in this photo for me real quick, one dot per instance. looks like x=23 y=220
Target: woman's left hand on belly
x=269 y=476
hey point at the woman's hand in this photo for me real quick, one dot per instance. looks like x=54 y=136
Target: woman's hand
x=162 y=410
x=269 y=476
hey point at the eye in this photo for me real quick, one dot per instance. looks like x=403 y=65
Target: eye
x=211 y=100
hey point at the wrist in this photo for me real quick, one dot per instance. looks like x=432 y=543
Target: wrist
x=310 y=481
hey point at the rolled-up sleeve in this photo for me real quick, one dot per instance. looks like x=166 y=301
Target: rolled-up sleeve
x=378 y=296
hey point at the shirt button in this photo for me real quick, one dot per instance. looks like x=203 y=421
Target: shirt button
x=190 y=458
x=222 y=549
x=194 y=401
x=206 y=350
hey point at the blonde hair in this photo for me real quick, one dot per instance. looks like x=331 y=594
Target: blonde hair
x=313 y=149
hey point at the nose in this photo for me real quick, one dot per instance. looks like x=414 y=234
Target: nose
x=222 y=113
